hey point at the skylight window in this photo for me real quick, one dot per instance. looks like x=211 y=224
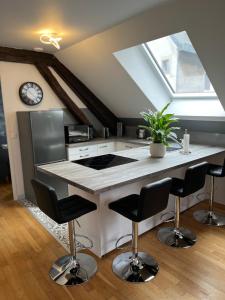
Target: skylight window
x=179 y=64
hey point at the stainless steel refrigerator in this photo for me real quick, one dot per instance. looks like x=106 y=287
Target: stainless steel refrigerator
x=42 y=141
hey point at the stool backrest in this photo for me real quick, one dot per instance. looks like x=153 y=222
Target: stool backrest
x=223 y=169
x=46 y=198
x=194 y=178
x=154 y=198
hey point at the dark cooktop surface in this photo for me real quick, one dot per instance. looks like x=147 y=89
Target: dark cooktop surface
x=104 y=161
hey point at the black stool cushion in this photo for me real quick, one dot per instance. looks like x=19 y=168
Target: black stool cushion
x=216 y=170
x=152 y=200
x=73 y=207
x=127 y=207
x=193 y=181
x=61 y=211
x=177 y=187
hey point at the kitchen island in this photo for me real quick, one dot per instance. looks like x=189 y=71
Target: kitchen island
x=104 y=226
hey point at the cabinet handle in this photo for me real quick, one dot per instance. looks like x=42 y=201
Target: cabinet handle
x=83 y=149
x=105 y=146
x=85 y=155
x=130 y=147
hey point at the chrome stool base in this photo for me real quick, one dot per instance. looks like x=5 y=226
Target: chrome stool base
x=182 y=238
x=209 y=218
x=142 y=268
x=68 y=271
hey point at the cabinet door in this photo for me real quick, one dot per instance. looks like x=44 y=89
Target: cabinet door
x=90 y=149
x=105 y=148
x=72 y=153
x=125 y=146
x=82 y=152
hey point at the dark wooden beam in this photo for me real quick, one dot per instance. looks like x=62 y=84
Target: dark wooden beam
x=102 y=113
x=63 y=96
x=25 y=56
x=42 y=60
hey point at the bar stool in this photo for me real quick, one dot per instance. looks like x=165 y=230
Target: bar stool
x=193 y=181
x=138 y=266
x=75 y=268
x=209 y=217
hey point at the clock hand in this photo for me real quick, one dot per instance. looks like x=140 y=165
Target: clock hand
x=32 y=95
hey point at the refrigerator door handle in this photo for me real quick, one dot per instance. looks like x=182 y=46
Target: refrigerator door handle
x=4 y=146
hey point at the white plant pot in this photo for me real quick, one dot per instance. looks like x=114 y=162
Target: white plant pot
x=157 y=150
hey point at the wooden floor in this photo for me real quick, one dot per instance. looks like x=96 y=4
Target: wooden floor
x=27 y=251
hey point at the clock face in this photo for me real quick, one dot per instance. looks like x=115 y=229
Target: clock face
x=31 y=93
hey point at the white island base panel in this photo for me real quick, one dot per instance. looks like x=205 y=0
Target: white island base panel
x=104 y=226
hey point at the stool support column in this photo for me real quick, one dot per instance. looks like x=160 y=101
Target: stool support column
x=209 y=217
x=75 y=268
x=177 y=217
x=177 y=236
x=72 y=238
x=211 y=196
x=135 y=266
x=135 y=239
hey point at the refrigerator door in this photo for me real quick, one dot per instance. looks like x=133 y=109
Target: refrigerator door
x=48 y=136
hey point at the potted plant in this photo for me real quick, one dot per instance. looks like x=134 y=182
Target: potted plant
x=159 y=125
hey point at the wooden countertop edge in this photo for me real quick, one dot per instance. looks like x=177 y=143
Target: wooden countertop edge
x=129 y=181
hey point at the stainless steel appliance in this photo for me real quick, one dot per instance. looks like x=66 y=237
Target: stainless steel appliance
x=42 y=141
x=78 y=133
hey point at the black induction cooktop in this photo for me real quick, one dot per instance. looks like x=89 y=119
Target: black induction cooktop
x=104 y=161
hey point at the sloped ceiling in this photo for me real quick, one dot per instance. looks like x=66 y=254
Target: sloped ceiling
x=22 y=21
x=93 y=62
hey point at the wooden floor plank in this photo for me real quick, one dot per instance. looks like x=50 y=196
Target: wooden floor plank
x=27 y=251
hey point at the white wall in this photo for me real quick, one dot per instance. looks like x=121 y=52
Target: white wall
x=93 y=62
x=135 y=61
x=12 y=75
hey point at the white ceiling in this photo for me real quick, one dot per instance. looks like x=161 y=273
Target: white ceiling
x=21 y=21
x=93 y=63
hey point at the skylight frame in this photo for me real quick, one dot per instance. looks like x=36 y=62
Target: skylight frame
x=174 y=95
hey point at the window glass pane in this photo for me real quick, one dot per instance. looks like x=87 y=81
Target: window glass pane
x=180 y=64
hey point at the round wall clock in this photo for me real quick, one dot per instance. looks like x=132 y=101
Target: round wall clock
x=31 y=93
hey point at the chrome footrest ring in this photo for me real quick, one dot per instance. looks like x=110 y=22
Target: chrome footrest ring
x=79 y=245
x=167 y=220
x=122 y=237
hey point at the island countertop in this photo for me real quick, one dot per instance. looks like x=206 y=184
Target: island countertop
x=98 y=181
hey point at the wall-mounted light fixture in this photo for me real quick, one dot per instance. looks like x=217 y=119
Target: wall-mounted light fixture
x=51 y=38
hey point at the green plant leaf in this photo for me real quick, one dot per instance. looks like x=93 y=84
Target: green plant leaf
x=160 y=125
x=164 y=108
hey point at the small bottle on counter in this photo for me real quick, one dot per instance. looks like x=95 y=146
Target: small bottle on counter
x=186 y=142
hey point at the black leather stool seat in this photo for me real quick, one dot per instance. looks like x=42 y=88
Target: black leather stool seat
x=152 y=200
x=193 y=181
x=127 y=207
x=76 y=268
x=138 y=266
x=177 y=187
x=63 y=210
x=216 y=170
x=210 y=217
x=73 y=207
